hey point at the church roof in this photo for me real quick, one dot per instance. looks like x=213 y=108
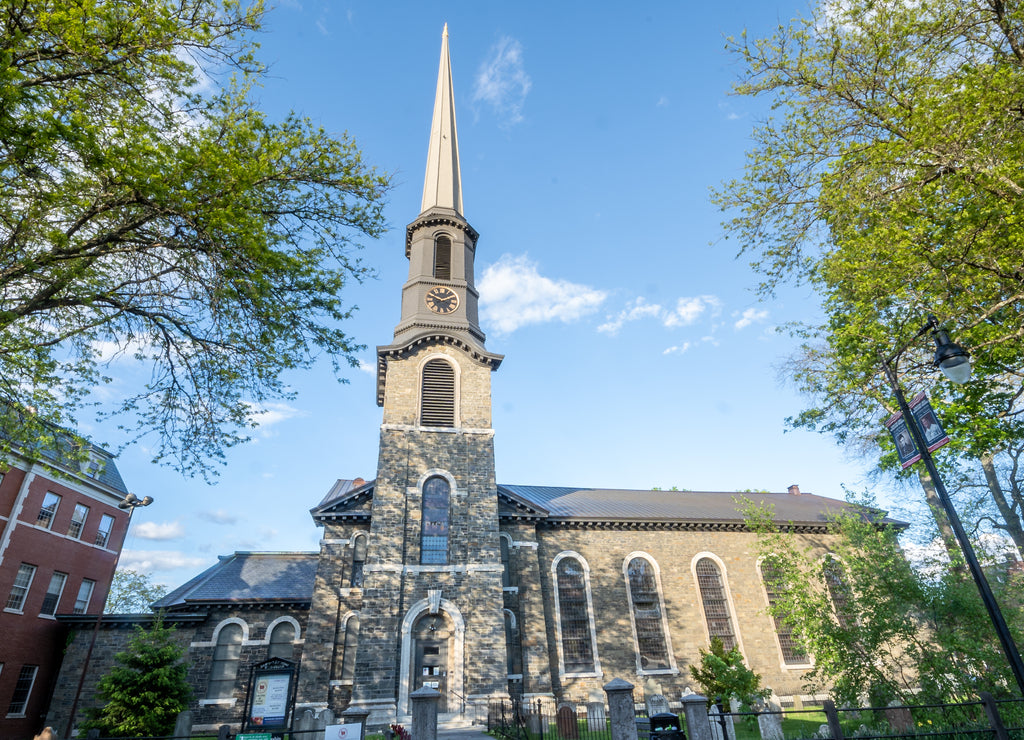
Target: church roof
x=571 y=504
x=283 y=577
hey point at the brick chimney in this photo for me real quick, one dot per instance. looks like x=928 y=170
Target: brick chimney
x=359 y=481
x=794 y=490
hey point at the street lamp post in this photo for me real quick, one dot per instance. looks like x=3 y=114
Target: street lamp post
x=130 y=502
x=954 y=362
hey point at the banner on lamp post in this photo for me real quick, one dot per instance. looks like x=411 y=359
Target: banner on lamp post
x=927 y=422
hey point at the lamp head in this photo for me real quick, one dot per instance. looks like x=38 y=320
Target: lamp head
x=952 y=359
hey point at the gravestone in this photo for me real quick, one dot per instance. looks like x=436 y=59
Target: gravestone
x=565 y=719
x=596 y=716
x=770 y=722
x=899 y=717
x=717 y=719
x=657 y=704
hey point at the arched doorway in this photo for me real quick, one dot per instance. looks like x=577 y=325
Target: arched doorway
x=432 y=653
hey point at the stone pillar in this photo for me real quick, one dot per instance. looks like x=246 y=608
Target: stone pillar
x=424 y=713
x=695 y=711
x=354 y=716
x=620 y=709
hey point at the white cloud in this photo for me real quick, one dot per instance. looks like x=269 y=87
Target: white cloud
x=220 y=516
x=749 y=316
x=677 y=350
x=514 y=294
x=687 y=310
x=370 y=368
x=271 y=414
x=502 y=81
x=148 y=561
x=662 y=101
x=155 y=531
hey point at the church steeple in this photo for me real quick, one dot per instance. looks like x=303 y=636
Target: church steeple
x=439 y=300
x=442 y=186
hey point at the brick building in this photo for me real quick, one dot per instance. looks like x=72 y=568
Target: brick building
x=434 y=574
x=61 y=533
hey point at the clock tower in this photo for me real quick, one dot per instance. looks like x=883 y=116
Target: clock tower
x=432 y=578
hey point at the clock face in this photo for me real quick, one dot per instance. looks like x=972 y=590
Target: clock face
x=442 y=300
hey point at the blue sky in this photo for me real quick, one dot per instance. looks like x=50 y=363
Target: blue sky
x=636 y=352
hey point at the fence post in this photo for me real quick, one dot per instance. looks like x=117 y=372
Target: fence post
x=993 y=716
x=695 y=712
x=620 y=709
x=424 y=713
x=833 y=720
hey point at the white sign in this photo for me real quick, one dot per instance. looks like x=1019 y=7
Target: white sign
x=343 y=732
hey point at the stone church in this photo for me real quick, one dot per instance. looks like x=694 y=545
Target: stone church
x=434 y=574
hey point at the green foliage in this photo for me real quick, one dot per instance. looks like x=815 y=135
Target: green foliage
x=146 y=691
x=132 y=592
x=889 y=178
x=149 y=209
x=918 y=636
x=722 y=675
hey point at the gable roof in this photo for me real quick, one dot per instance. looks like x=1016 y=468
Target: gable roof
x=282 y=577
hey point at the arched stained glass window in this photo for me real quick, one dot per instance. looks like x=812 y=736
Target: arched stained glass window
x=224 y=667
x=646 y=601
x=839 y=592
x=716 y=604
x=577 y=640
x=437 y=401
x=281 y=641
x=774 y=587
x=443 y=258
x=434 y=541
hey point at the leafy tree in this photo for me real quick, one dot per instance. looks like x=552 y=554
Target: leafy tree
x=146 y=691
x=132 y=592
x=150 y=209
x=918 y=635
x=722 y=675
x=890 y=179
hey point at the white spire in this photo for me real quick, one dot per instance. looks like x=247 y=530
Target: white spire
x=443 y=183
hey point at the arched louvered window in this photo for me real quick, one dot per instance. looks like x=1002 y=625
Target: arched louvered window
x=716 y=604
x=358 y=558
x=839 y=592
x=348 y=658
x=774 y=587
x=437 y=403
x=646 y=602
x=434 y=541
x=443 y=258
x=224 y=668
x=281 y=641
x=574 y=617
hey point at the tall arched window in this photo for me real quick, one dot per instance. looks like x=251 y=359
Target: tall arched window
x=646 y=601
x=574 y=617
x=434 y=540
x=506 y=562
x=716 y=604
x=282 y=640
x=774 y=587
x=839 y=591
x=513 y=645
x=224 y=667
x=443 y=258
x=437 y=397
x=348 y=658
x=358 y=559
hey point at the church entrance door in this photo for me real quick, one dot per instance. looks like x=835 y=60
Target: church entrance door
x=431 y=636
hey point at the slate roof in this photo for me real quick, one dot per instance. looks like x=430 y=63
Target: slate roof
x=242 y=577
x=563 y=503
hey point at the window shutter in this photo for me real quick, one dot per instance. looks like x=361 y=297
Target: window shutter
x=443 y=258
x=438 y=401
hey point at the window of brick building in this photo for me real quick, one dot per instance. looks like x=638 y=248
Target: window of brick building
x=226 y=657
x=78 y=520
x=84 y=596
x=48 y=510
x=282 y=640
x=434 y=540
x=53 y=592
x=437 y=398
x=839 y=591
x=715 y=601
x=103 y=533
x=358 y=560
x=577 y=638
x=22 y=690
x=22 y=583
x=351 y=645
x=645 y=599
x=774 y=586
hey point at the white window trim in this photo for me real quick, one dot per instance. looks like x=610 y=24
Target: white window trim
x=590 y=616
x=733 y=615
x=673 y=668
x=297 y=640
x=771 y=624
x=28 y=696
x=456 y=416
x=28 y=588
x=222 y=625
